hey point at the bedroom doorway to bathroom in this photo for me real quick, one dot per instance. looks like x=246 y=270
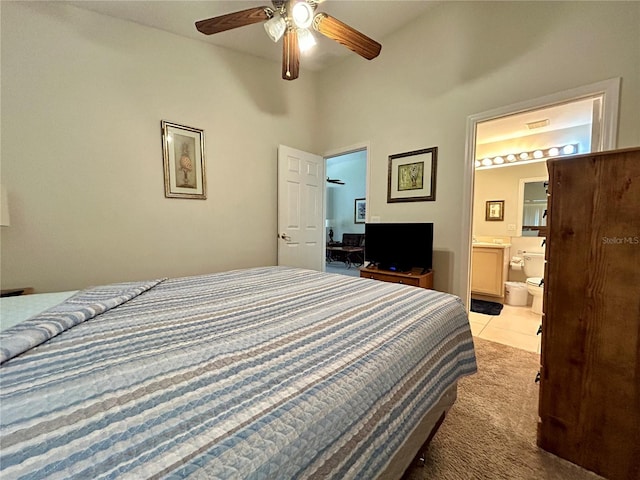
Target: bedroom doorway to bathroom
x=505 y=147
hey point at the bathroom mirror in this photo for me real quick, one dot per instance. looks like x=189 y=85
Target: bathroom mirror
x=532 y=203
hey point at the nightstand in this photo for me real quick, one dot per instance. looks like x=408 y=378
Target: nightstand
x=16 y=292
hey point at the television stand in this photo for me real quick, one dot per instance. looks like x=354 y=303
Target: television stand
x=423 y=280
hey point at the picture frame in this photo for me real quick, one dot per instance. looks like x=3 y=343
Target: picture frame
x=184 y=161
x=412 y=176
x=360 y=210
x=494 y=211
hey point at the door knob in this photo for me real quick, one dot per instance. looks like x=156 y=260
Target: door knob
x=285 y=237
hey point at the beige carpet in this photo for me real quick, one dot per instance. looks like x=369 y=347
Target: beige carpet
x=490 y=433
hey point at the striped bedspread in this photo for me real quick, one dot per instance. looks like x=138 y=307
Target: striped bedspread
x=264 y=373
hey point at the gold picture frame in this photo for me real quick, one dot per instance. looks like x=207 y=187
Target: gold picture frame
x=183 y=158
x=412 y=176
x=494 y=211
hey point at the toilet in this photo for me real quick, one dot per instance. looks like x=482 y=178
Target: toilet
x=533 y=267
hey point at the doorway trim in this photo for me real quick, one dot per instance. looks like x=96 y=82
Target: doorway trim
x=609 y=90
x=357 y=147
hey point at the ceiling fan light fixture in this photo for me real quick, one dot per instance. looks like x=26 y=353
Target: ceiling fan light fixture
x=275 y=27
x=302 y=14
x=306 y=39
x=291 y=20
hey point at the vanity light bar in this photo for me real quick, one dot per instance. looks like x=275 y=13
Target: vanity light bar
x=536 y=155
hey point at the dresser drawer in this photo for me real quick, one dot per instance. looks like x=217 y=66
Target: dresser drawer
x=418 y=280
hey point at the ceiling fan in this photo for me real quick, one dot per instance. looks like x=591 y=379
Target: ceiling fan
x=335 y=180
x=291 y=20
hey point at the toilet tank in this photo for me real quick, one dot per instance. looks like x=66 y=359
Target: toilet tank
x=533 y=264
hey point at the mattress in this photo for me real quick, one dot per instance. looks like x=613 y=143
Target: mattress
x=270 y=372
x=14 y=310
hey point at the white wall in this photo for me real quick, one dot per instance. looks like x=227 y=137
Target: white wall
x=82 y=100
x=83 y=96
x=501 y=184
x=461 y=59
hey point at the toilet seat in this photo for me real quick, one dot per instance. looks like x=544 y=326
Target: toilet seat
x=534 y=281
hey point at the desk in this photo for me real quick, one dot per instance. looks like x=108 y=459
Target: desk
x=348 y=255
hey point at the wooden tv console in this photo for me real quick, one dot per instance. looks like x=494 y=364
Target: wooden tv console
x=418 y=279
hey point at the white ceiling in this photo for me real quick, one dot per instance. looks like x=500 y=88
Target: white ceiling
x=559 y=117
x=374 y=18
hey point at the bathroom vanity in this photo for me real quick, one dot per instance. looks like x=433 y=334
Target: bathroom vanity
x=489 y=269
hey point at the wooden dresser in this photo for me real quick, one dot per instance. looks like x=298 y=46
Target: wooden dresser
x=424 y=280
x=590 y=376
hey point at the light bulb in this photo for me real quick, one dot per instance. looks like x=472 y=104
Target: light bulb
x=569 y=149
x=302 y=14
x=478 y=163
x=511 y=157
x=524 y=156
x=305 y=39
x=538 y=154
x=498 y=160
x=553 y=152
x=486 y=162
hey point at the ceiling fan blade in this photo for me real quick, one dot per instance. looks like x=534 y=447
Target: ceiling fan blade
x=349 y=37
x=233 y=20
x=290 y=55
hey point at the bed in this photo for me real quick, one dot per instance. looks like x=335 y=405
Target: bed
x=269 y=372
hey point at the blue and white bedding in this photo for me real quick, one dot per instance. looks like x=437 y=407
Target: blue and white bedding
x=262 y=373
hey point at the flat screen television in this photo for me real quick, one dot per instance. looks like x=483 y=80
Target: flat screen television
x=399 y=247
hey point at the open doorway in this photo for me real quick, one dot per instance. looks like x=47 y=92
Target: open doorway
x=508 y=151
x=345 y=211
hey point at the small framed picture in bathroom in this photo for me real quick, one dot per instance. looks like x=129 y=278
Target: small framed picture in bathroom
x=495 y=211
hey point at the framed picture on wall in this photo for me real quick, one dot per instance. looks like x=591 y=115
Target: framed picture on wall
x=412 y=176
x=495 y=211
x=360 y=210
x=183 y=156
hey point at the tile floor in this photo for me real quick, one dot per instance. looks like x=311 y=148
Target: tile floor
x=515 y=326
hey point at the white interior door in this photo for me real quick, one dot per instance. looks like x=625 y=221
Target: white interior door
x=300 y=209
